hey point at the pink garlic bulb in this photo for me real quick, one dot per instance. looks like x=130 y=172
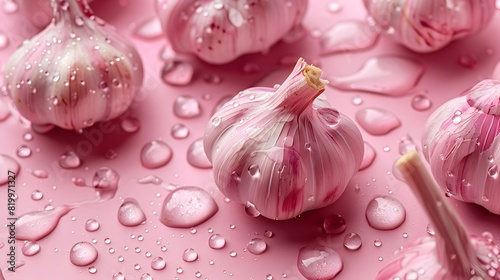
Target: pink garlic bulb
x=75 y=72
x=280 y=151
x=38 y=12
x=460 y=141
x=219 y=31
x=429 y=25
x=451 y=254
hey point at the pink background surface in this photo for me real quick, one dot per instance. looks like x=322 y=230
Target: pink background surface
x=443 y=79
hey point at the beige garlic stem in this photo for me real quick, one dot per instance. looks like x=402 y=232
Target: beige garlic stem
x=454 y=247
x=313 y=74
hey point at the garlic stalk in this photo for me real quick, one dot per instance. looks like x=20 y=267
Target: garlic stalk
x=75 y=72
x=452 y=253
x=219 y=31
x=280 y=150
x=429 y=25
x=460 y=141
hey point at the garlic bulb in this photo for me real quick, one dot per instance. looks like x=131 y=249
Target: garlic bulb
x=460 y=142
x=280 y=151
x=451 y=253
x=75 y=72
x=38 y=12
x=429 y=25
x=219 y=31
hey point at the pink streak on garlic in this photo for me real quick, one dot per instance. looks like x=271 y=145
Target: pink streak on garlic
x=75 y=72
x=281 y=149
x=451 y=253
x=219 y=31
x=460 y=141
x=429 y=25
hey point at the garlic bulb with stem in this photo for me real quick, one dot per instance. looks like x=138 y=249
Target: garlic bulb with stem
x=429 y=25
x=38 y=12
x=75 y=72
x=460 y=141
x=451 y=253
x=219 y=31
x=280 y=150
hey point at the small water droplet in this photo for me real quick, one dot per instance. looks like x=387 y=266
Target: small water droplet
x=4 y=40
x=79 y=21
x=334 y=7
x=467 y=61
x=216 y=241
x=368 y=156
x=377 y=121
x=421 y=102
x=69 y=160
x=146 y=276
x=130 y=214
x=82 y=254
x=319 y=262
x=158 y=263
x=430 y=230
x=334 y=224
x=251 y=68
x=385 y=213
x=150 y=179
x=256 y=246
x=348 y=35
x=187 y=207
x=212 y=79
x=41 y=174
x=179 y=131
x=130 y=125
x=118 y=276
x=36 y=195
x=251 y=210
x=10 y=6
x=23 y=151
x=352 y=241
x=357 y=100
x=196 y=155
x=186 y=107
x=456 y=119
x=92 y=225
x=377 y=242
x=155 y=154
x=27 y=136
x=30 y=248
x=233 y=254
x=189 y=255
x=177 y=73
x=493 y=171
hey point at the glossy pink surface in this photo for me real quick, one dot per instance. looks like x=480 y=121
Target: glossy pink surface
x=131 y=251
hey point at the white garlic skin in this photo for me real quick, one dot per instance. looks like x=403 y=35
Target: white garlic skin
x=75 y=72
x=460 y=141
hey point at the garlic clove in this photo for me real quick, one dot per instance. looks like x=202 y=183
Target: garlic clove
x=219 y=31
x=429 y=25
x=276 y=148
x=75 y=72
x=460 y=142
x=451 y=253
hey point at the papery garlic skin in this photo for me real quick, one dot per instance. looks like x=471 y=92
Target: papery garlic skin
x=219 y=31
x=75 y=72
x=429 y=25
x=460 y=141
x=277 y=150
x=38 y=12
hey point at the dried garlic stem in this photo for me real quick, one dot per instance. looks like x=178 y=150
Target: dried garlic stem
x=313 y=74
x=453 y=245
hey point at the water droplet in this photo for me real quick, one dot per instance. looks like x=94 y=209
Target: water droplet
x=421 y=102
x=4 y=110
x=377 y=121
x=79 y=21
x=146 y=276
x=251 y=210
x=30 y=248
x=385 y=213
x=42 y=128
x=352 y=241
x=235 y=17
x=179 y=270
x=4 y=40
x=319 y=262
x=82 y=254
x=334 y=224
x=387 y=75
x=212 y=79
x=105 y=183
x=406 y=145
x=368 y=156
x=189 y=255
x=256 y=246
x=177 y=73
x=467 y=61
x=216 y=241
x=187 y=207
x=7 y=164
x=158 y=263
x=186 y=107
x=348 y=35
x=23 y=151
x=130 y=125
x=130 y=213
x=150 y=179
x=196 y=155
x=233 y=254
x=118 y=276
x=36 y=195
x=110 y=154
x=334 y=7
x=357 y=100
x=493 y=171
x=69 y=160
x=251 y=68
x=10 y=6
x=38 y=224
x=377 y=242
x=92 y=225
x=179 y=131
x=155 y=154
x=149 y=29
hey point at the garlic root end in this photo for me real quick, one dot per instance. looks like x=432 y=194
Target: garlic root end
x=313 y=77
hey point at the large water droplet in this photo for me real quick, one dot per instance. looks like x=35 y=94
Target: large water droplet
x=7 y=165
x=256 y=246
x=216 y=241
x=187 y=207
x=319 y=262
x=352 y=241
x=349 y=35
x=385 y=213
x=368 y=156
x=69 y=160
x=186 y=107
x=149 y=29
x=158 y=263
x=155 y=154
x=334 y=224
x=38 y=224
x=130 y=213
x=105 y=183
x=179 y=131
x=82 y=254
x=189 y=255
x=30 y=248
x=196 y=155
x=177 y=73
x=377 y=121
x=388 y=75
x=23 y=151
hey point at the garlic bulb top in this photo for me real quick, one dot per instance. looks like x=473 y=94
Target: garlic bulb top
x=429 y=25
x=219 y=31
x=75 y=72
x=279 y=150
x=460 y=141
x=38 y=12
